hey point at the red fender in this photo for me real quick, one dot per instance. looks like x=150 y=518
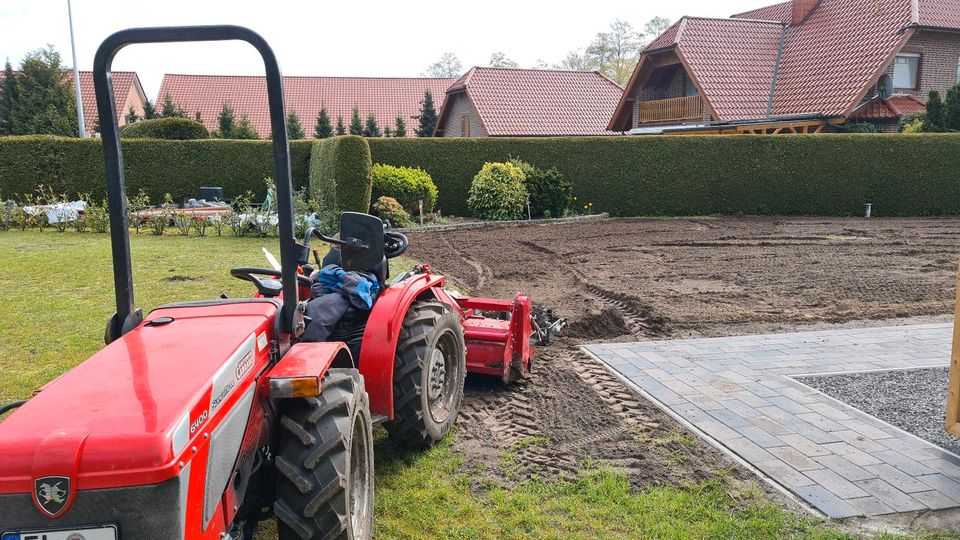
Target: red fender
x=381 y=336
x=300 y=371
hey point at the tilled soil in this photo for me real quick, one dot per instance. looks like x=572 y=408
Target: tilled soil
x=629 y=280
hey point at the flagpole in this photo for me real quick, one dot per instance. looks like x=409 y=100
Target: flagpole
x=76 y=75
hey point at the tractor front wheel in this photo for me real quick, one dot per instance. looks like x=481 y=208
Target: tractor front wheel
x=428 y=374
x=325 y=462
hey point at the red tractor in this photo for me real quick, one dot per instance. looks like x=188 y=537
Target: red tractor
x=202 y=418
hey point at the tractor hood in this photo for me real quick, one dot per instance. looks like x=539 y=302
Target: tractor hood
x=137 y=411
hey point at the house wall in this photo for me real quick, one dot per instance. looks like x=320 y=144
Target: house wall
x=461 y=105
x=134 y=99
x=940 y=52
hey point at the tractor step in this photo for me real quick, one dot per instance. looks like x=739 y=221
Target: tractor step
x=378 y=419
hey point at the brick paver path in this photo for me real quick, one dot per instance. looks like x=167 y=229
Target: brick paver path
x=739 y=393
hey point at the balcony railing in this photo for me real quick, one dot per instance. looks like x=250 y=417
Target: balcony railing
x=671 y=110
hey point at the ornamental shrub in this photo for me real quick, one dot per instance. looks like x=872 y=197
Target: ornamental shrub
x=387 y=208
x=407 y=185
x=166 y=128
x=498 y=192
x=549 y=191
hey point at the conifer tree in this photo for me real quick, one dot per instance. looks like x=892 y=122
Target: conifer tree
x=294 y=129
x=400 y=128
x=341 y=129
x=323 y=128
x=356 y=125
x=428 y=116
x=370 y=128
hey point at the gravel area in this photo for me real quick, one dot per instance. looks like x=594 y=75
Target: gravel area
x=913 y=400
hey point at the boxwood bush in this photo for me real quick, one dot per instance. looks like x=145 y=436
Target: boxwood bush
x=408 y=185
x=340 y=173
x=827 y=175
x=74 y=166
x=166 y=128
x=498 y=192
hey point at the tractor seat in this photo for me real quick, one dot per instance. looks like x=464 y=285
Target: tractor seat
x=381 y=271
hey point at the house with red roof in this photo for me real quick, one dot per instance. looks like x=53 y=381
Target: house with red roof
x=801 y=66
x=127 y=93
x=385 y=97
x=513 y=102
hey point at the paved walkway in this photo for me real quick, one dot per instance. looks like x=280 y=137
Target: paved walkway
x=738 y=393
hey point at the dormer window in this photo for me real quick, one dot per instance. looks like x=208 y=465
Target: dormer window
x=906 y=71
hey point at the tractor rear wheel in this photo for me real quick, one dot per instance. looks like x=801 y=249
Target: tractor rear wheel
x=325 y=462
x=428 y=374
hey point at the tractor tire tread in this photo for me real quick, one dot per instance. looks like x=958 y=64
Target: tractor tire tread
x=315 y=449
x=408 y=427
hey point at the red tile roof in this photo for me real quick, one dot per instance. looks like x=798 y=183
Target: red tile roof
x=733 y=61
x=826 y=65
x=122 y=83
x=778 y=12
x=884 y=109
x=830 y=59
x=539 y=102
x=385 y=97
x=939 y=13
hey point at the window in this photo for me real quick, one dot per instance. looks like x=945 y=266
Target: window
x=906 y=71
x=465 y=126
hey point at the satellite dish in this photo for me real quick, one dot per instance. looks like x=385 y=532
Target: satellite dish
x=885 y=87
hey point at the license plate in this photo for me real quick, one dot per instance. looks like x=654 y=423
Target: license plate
x=97 y=533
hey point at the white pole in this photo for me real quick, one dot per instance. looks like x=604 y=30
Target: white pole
x=76 y=76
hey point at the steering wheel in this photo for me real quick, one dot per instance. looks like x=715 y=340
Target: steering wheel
x=395 y=244
x=267 y=287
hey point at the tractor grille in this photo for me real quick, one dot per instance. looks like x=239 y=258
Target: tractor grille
x=152 y=512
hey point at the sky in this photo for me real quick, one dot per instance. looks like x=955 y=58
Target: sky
x=352 y=38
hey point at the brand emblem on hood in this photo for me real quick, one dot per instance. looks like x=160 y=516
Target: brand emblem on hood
x=52 y=494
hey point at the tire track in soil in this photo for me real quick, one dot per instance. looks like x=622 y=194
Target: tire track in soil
x=571 y=409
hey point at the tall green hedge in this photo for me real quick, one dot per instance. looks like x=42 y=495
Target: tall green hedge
x=901 y=175
x=340 y=173
x=75 y=166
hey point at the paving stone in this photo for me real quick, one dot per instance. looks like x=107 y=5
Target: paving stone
x=836 y=484
x=871 y=506
x=821 y=421
x=827 y=502
x=796 y=459
x=854 y=455
x=769 y=425
x=784 y=474
x=739 y=391
x=950 y=488
x=804 y=445
x=749 y=451
x=903 y=463
x=845 y=468
x=760 y=437
x=935 y=500
x=891 y=496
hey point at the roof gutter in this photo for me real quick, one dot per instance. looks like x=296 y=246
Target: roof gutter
x=776 y=70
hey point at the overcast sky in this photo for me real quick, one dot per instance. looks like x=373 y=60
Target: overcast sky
x=363 y=38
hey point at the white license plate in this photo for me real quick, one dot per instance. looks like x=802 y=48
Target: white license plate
x=98 y=533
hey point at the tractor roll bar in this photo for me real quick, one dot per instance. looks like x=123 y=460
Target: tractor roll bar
x=128 y=316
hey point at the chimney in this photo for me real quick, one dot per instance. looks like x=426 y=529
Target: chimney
x=802 y=8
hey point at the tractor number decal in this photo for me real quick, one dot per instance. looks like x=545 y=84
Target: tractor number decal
x=198 y=422
x=230 y=374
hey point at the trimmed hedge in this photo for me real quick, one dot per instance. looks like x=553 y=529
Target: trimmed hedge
x=340 y=173
x=166 y=128
x=902 y=175
x=75 y=166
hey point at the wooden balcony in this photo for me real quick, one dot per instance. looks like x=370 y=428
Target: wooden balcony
x=658 y=111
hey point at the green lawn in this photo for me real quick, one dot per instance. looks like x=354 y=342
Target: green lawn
x=58 y=294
